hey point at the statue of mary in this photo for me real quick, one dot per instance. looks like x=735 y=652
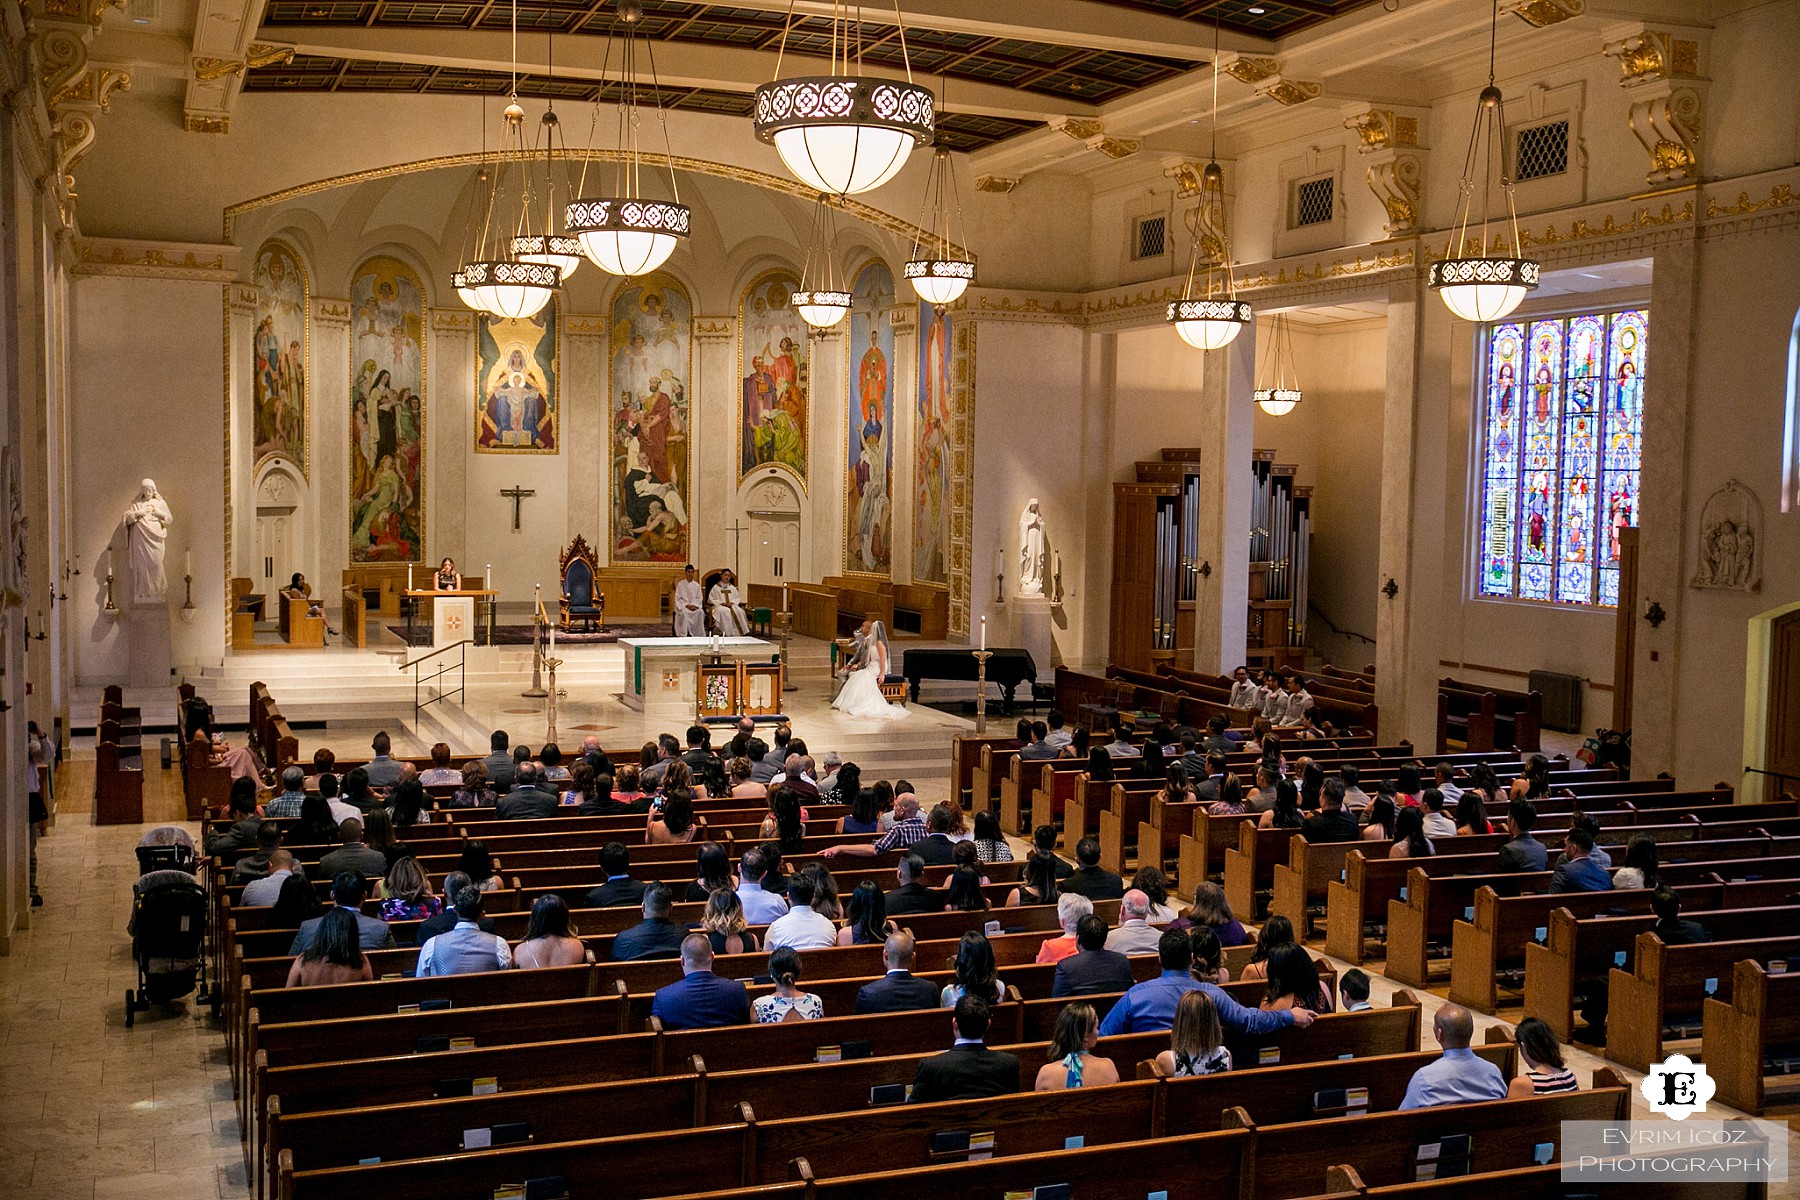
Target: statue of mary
x=147 y=524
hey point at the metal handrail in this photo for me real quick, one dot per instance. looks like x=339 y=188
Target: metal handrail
x=460 y=667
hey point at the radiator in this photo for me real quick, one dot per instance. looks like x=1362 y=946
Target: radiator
x=1562 y=699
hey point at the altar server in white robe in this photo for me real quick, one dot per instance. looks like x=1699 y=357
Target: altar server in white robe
x=727 y=604
x=690 y=613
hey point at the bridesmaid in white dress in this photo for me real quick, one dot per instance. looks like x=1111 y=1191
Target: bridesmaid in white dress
x=861 y=695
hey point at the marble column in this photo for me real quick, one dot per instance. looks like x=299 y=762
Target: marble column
x=449 y=441
x=713 y=502
x=582 y=429
x=822 y=548
x=1421 y=341
x=1225 y=420
x=1662 y=500
x=329 y=404
x=240 y=439
x=903 y=482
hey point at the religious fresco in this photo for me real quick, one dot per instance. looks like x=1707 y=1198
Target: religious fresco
x=931 y=448
x=652 y=338
x=387 y=413
x=279 y=356
x=868 y=510
x=774 y=369
x=516 y=383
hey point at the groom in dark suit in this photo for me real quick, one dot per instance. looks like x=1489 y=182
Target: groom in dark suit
x=968 y=1070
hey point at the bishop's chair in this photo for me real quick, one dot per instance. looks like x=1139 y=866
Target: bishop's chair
x=580 y=600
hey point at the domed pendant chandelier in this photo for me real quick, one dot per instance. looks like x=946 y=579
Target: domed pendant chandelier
x=822 y=299
x=501 y=283
x=1484 y=286
x=937 y=269
x=1280 y=399
x=1212 y=318
x=841 y=133
x=552 y=246
x=626 y=232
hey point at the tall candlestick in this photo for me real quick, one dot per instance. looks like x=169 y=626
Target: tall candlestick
x=553 y=640
x=984 y=633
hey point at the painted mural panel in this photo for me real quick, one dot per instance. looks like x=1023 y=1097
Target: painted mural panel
x=387 y=413
x=278 y=385
x=516 y=383
x=931 y=464
x=868 y=509
x=652 y=340
x=774 y=367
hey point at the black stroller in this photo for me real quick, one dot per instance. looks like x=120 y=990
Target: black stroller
x=168 y=922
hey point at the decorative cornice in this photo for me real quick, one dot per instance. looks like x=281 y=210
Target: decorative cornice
x=715 y=328
x=206 y=122
x=1780 y=196
x=575 y=326
x=996 y=183
x=452 y=320
x=1539 y=13
x=1091 y=133
x=331 y=312
x=1248 y=68
x=156 y=260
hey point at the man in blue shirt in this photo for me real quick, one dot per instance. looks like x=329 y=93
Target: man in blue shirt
x=1578 y=872
x=760 y=907
x=700 y=999
x=1458 y=1077
x=466 y=949
x=1150 y=1005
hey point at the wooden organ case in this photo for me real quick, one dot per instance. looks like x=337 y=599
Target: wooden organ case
x=1156 y=538
x=1280 y=546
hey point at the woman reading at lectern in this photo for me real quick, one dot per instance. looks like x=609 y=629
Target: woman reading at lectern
x=447 y=579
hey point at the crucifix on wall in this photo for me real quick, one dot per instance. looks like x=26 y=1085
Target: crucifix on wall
x=517 y=496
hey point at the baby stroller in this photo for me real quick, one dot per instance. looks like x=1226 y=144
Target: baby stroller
x=168 y=922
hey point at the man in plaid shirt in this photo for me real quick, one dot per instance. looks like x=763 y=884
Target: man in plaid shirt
x=293 y=795
x=908 y=830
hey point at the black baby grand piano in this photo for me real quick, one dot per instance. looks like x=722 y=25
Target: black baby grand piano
x=1008 y=668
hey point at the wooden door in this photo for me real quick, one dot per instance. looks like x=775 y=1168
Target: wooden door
x=1782 y=732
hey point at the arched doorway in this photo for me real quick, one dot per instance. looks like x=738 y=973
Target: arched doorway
x=280 y=520
x=773 y=508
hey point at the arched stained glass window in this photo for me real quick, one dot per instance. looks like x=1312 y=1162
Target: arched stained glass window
x=1562 y=424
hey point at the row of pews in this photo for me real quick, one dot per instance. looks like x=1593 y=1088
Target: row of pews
x=1475 y=716
x=118 y=761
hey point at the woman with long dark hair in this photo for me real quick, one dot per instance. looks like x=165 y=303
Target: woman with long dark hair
x=1409 y=835
x=865 y=918
x=1406 y=786
x=974 y=971
x=408 y=803
x=990 y=844
x=1380 y=827
x=478 y=865
x=1037 y=883
x=1286 y=813
x=1471 y=813
x=1294 y=981
x=1276 y=931
x=790 y=826
x=335 y=955
x=677 y=823
x=1641 y=869
x=715 y=872
x=1072 y=1062
x=1099 y=765
x=297 y=903
x=550 y=938
x=864 y=816
x=315 y=825
x=1540 y=1057
x=378 y=834
x=964 y=894
x=1151 y=881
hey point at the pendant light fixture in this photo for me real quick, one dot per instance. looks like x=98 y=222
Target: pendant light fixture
x=625 y=232
x=503 y=284
x=840 y=133
x=1213 y=318
x=1485 y=286
x=937 y=270
x=822 y=300
x=552 y=246
x=1279 y=400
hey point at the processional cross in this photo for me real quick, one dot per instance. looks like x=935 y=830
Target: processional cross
x=737 y=533
x=517 y=495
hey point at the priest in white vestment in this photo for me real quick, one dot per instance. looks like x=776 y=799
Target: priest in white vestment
x=727 y=604
x=690 y=613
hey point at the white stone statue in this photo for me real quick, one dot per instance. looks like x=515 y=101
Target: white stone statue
x=147 y=524
x=1031 y=550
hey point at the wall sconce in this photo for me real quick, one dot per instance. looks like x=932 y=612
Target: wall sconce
x=1390 y=589
x=1206 y=569
x=1655 y=615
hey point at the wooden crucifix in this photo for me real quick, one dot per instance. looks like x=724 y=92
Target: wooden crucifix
x=517 y=495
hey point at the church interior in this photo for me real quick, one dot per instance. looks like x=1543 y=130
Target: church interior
x=1414 y=396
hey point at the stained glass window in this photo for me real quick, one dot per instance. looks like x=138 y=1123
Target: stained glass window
x=1561 y=438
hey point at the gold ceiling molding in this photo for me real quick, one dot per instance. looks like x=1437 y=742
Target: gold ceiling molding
x=262 y=54
x=1337 y=268
x=1249 y=69
x=1291 y=91
x=1383 y=129
x=155 y=260
x=1660 y=72
x=331 y=310
x=713 y=327
x=996 y=183
x=1092 y=134
x=206 y=70
x=452 y=320
x=205 y=123
x=1264 y=74
x=1780 y=196
x=1388 y=140
x=1540 y=13
x=784 y=184
x=588 y=326
x=89 y=11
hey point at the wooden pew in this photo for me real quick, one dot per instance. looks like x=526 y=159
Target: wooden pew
x=118 y=785
x=1669 y=982
x=1250 y=868
x=1119 y=825
x=1465 y=717
x=1517 y=716
x=356 y=617
x=1306 y=877
x=298 y=628
x=1740 y=1037
x=1578 y=952
x=922 y=610
x=1201 y=853
x=965 y=757
x=994 y=765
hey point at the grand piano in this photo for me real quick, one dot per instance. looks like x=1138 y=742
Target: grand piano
x=1008 y=668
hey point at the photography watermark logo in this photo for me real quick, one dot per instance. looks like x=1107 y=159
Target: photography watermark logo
x=1678 y=1087
x=1661 y=1150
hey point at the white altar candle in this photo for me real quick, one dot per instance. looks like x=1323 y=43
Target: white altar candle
x=553 y=640
x=984 y=633
x=785 y=607
x=188 y=559
x=409 y=577
x=488 y=578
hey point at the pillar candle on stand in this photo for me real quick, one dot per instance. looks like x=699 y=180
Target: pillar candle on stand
x=409 y=577
x=984 y=633
x=487 y=579
x=188 y=560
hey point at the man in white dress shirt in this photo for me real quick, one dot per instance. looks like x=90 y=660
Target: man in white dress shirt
x=1295 y=704
x=1446 y=775
x=690 y=613
x=727 y=606
x=1270 y=700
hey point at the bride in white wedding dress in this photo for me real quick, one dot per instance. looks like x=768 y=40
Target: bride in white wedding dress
x=861 y=694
